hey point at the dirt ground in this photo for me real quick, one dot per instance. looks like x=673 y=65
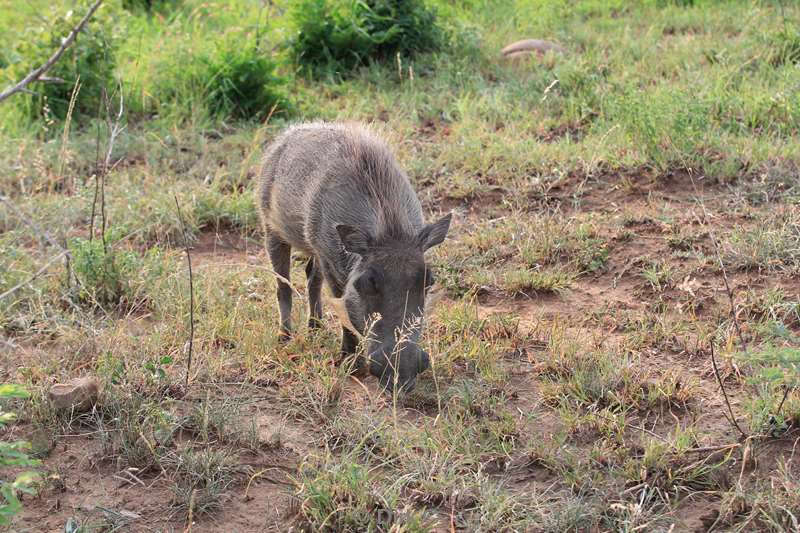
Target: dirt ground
x=85 y=486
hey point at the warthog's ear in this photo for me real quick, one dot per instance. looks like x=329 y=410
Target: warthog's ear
x=354 y=240
x=434 y=233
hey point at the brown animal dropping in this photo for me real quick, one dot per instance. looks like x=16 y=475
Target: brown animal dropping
x=78 y=394
x=526 y=47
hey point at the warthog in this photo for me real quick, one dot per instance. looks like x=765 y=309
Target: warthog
x=335 y=193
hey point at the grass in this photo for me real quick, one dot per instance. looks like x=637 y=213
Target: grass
x=570 y=388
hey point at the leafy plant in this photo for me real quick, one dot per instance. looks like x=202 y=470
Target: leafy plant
x=156 y=366
x=109 y=276
x=14 y=454
x=227 y=81
x=90 y=61
x=337 y=36
x=149 y=6
x=242 y=83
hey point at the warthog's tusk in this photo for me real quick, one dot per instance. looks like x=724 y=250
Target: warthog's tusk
x=339 y=309
x=432 y=298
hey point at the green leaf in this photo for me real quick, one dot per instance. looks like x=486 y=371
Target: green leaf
x=12 y=390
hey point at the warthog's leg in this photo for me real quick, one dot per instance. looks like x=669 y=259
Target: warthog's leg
x=349 y=347
x=314 y=278
x=280 y=254
x=349 y=342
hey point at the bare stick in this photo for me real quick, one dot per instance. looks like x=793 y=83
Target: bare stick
x=36 y=74
x=114 y=129
x=732 y=418
x=786 y=390
x=96 y=174
x=191 y=291
x=715 y=242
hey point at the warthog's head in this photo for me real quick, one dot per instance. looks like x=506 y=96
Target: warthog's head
x=385 y=297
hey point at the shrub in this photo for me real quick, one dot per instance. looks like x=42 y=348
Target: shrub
x=783 y=48
x=113 y=277
x=90 y=59
x=337 y=36
x=229 y=81
x=243 y=84
x=13 y=454
x=148 y=6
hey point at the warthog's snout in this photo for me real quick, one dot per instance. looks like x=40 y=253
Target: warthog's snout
x=397 y=369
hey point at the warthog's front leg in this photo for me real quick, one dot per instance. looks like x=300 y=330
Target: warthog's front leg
x=280 y=255
x=314 y=278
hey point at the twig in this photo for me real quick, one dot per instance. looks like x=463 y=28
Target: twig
x=732 y=418
x=96 y=174
x=786 y=390
x=36 y=74
x=191 y=291
x=114 y=130
x=726 y=281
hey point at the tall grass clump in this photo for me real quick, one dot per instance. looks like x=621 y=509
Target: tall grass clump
x=227 y=81
x=149 y=6
x=784 y=47
x=667 y=128
x=110 y=277
x=334 y=37
x=90 y=61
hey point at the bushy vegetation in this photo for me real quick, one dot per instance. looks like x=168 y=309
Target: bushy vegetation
x=86 y=70
x=334 y=37
x=150 y=6
x=111 y=277
x=229 y=81
x=13 y=455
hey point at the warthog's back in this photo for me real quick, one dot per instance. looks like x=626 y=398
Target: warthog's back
x=315 y=176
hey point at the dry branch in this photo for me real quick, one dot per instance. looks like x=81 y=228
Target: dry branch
x=732 y=417
x=37 y=74
x=114 y=129
x=191 y=292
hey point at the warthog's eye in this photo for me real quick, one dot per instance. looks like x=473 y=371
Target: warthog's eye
x=369 y=282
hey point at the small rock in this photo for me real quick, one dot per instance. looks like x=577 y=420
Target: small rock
x=77 y=394
x=526 y=47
